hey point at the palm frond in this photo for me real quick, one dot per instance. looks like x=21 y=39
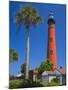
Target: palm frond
x=18 y=17
x=13 y=56
x=26 y=9
x=36 y=20
x=27 y=15
x=34 y=11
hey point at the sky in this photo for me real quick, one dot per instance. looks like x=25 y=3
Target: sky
x=38 y=36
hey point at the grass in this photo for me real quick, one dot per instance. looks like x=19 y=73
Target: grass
x=51 y=84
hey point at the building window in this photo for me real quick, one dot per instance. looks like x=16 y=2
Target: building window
x=51 y=39
x=51 y=52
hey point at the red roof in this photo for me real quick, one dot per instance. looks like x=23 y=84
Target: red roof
x=62 y=70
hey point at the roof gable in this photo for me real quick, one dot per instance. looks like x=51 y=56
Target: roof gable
x=54 y=72
x=44 y=73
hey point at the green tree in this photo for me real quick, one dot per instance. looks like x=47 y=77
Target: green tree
x=23 y=68
x=13 y=55
x=45 y=66
x=27 y=16
x=11 y=77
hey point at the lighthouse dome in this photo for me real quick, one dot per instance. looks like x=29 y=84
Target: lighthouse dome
x=51 y=18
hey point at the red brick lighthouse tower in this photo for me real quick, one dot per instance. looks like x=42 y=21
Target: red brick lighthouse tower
x=51 y=52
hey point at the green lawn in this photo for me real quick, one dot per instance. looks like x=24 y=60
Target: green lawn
x=51 y=84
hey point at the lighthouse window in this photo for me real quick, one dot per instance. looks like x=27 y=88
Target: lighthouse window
x=51 y=39
x=51 y=52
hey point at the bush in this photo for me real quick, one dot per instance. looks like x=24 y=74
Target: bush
x=30 y=83
x=15 y=83
x=56 y=80
x=11 y=77
x=20 y=83
x=24 y=84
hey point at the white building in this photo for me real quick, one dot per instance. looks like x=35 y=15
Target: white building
x=48 y=76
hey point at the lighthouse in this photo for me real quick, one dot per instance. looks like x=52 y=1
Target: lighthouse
x=51 y=50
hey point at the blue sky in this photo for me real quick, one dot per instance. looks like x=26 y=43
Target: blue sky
x=38 y=36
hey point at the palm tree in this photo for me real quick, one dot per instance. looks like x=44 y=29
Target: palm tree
x=13 y=55
x=27 y=16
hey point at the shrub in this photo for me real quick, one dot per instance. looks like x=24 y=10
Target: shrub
x=20 y=83
x=24 y=84
x=15 y=83
x=55 y=80
x=30 y=83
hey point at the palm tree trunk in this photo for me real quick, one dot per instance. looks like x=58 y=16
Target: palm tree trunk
x=27 y=55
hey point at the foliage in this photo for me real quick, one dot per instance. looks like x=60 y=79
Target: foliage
x=24 y=84
x=13 y=55
x=20 y=83
x=11 y=77
x=27 y=15
x=15 y=83
x=55 y=80
x=45 y=66
x=31 y=83
x=23 y=68
x=51 y=84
